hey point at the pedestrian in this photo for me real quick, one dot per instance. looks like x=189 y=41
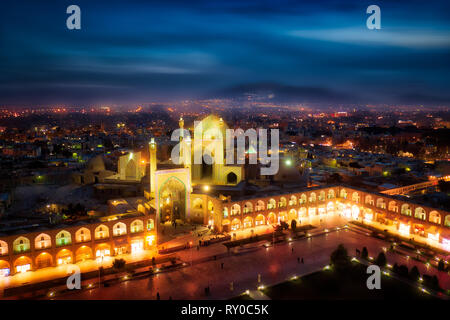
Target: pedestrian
x=157 y=296
x=292 y=250
x=198 y=248
x=170 y=297
x=221 y=266
x=302 y=260
x=298 y=259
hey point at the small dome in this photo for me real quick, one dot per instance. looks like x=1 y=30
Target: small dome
x=96 y=164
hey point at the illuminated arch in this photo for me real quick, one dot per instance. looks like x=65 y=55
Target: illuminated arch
x=447 y=220
x=272 y=204
x=420 y=213
x=259 y=220
x=3 y=248
x=303 y=198
x=42 y=241
x=260 y=206
x=44 y=260
x=22 y=264
x=282 y=216
x=271 y=218
x=248 y=207
x=63 y=238
x=343 y=193
x=235 y=209
x=312 y=197
x=282 y=203
x=4 y=267
x=82 y=235
x=406 y=210
x=293 y=200
x=322 y=195
x=235 y=224
x=248 y=222
x=381 y=203
x=102 y=250
x=83 y=253
x=292 y=214
x=101 y=232
x=137 y=226
x=21 y=244
x=392 y=206
x=197 y=203
x=434 y=217
x=119 y=229
x=331 y=194
x=355 y=197
x=64 y=256
x=225 y=212
x=369 y=200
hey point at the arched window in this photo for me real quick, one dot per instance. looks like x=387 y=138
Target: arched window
x=225 y=212
x=260 y=205
x=355 y=197
x=420 y=213
x=321 y=195
x=392 y=206
x=119 y=229
x=42 y=241
x=381 y=203
x=137 y=226
x=343 y=194
x=101 y=232
x=83 y=235
x=303 y=198
x=272 y=204
x=331 y=194
x=21 y=244
x=282 y=203
x=63 y=238
x=369 y=200
x=293 y=200
x=406 y=210
x=312 y=197
x=435 y=217
x=248 y=207
x=235 y=209
x=3 y=248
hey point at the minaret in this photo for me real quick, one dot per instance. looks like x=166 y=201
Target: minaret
x=152 y=151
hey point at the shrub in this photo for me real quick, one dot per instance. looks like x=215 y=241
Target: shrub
x=364 y=253
x=339 y=258
x=441 y=265
x=381 y=259
x=414 y=274
x=293 y=224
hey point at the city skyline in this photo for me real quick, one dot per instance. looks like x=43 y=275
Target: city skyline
x=288 y=52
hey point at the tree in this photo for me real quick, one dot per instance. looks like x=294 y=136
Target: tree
x=284 y=225
x=293 y=225
x=364 y=253
x=414 y=274
x=441 y=265
x=381 y=259
x=119 y=264
x=339 y=258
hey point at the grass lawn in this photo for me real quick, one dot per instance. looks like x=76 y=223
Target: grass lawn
x=329 y=284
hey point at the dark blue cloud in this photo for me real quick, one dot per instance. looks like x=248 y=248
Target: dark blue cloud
x=139 y=51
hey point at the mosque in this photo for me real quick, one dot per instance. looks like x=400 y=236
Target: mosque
x=217 y=195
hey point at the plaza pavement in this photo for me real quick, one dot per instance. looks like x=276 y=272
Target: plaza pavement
x=273 y=264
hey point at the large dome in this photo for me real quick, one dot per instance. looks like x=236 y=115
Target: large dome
x=96 y=164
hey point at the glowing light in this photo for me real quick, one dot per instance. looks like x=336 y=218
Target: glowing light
x=206 y=188
x=404 y=229
x=261 y=288
x=288 y=162
x=433 y=237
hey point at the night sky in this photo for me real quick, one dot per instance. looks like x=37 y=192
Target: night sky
x=142 y=51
